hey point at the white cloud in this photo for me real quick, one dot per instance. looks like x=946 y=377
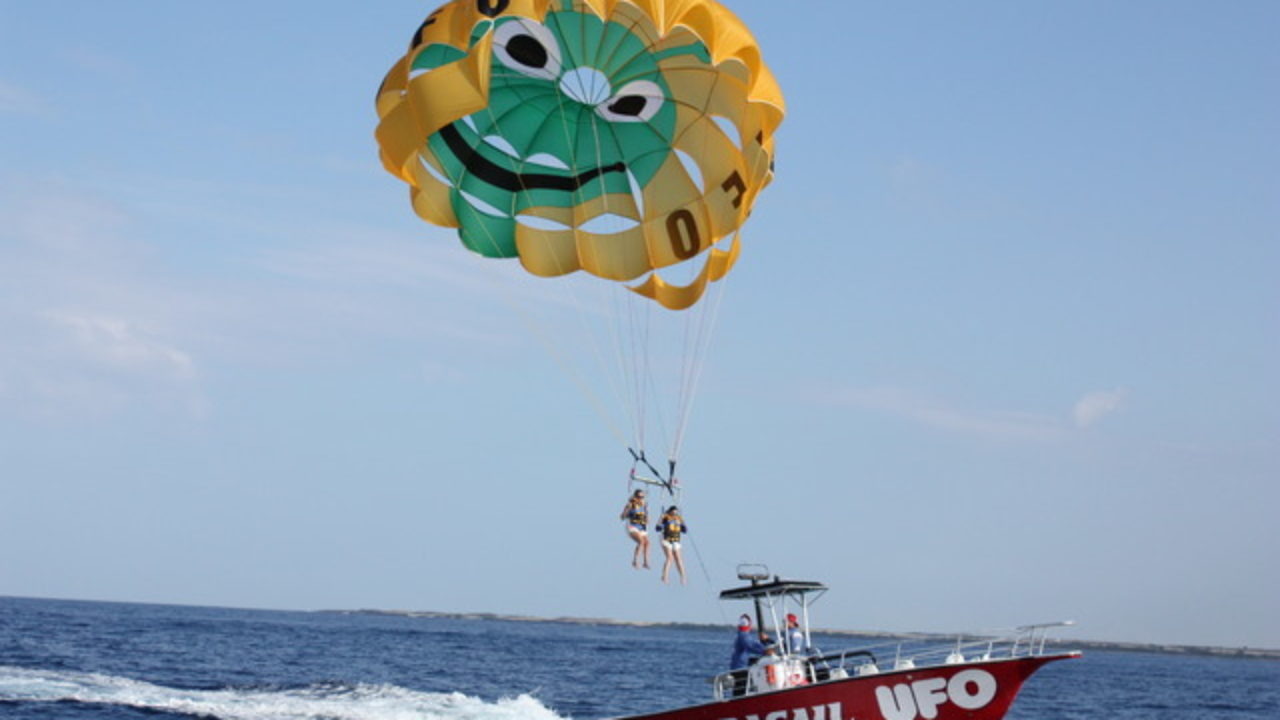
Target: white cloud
x=395 y=260
x=939 y=193
x=107 y=305
x=997 y=424
x=15 y=100
x=107 y=66
x=1001 y=425
x=123 y=345
x=69 y=365
x=89 y=327
x=1098 y=404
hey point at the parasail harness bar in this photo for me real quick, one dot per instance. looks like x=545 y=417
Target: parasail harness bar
x=669 y=483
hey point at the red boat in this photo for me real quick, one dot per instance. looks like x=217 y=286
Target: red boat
x=975 y=678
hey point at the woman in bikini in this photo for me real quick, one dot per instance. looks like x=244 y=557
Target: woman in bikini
x=636 y=515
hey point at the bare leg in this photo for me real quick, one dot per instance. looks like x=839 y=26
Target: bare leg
x=680 y=566
x=666 y=562
x=639 y=539
x=644 y=543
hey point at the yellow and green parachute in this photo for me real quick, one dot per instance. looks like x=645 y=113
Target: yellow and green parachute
x=616 y=137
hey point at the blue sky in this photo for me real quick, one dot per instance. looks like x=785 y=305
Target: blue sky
x=1002 y=346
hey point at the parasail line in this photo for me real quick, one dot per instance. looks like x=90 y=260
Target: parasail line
x=709 y=322
x=576 y=296
x=539 y=333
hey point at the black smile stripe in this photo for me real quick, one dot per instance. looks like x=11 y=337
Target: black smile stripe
x=500 y=177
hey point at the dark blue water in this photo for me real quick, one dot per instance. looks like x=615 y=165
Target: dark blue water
x=72 y=660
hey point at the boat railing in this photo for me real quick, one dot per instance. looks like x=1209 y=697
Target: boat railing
x=905 y=654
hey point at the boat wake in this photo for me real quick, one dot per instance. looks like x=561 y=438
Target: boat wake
x=317 y=702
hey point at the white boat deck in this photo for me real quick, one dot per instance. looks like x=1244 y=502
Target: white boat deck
x=813 y=666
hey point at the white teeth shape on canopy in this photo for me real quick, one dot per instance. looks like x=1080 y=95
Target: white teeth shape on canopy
x=502 y=144
x=547 y=160
x=481 y=205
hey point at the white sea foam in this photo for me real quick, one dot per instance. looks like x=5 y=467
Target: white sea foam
x=321 y=702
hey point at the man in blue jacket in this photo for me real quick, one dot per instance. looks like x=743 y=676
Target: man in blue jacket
x=745 y=646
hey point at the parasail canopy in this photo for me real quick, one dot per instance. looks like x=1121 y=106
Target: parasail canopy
x=615 y=137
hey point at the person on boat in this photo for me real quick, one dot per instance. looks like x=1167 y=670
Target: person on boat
x=636 y=515
x=746 y=648
x=794 y=635
x=672 y=526
x=770 y=652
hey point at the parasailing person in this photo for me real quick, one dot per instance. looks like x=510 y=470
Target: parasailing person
x=672 y=526
x=636 y=515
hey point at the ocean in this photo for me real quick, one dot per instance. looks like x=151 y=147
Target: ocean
x=73 y=660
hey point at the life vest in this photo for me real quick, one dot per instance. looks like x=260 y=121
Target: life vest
x=671 y=529
x=638 y=515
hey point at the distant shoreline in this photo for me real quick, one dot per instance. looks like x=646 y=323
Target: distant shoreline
x=1250 y=653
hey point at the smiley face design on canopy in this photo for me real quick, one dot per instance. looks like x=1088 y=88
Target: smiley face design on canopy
x=617 y=137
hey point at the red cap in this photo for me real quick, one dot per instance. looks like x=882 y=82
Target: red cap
x=791 y=617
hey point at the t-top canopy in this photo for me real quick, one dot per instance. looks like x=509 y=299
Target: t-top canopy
x=775 y=588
